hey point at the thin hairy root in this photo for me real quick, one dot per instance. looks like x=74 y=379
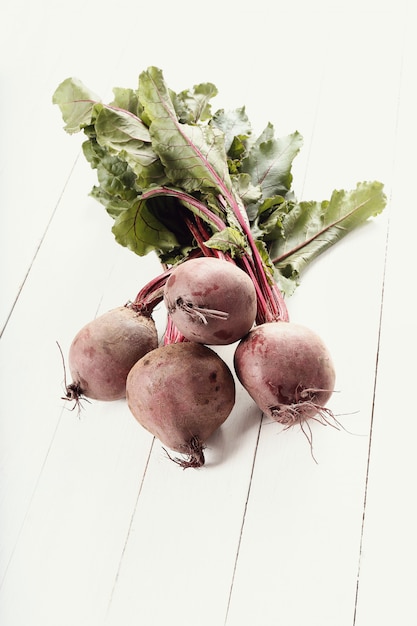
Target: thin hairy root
x=308 y=433
x=303 y=410
x=73 y=392
x=193 y=452
x=200 y=313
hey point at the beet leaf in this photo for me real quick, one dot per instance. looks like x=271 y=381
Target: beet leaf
x=175 y=176
x=310 y=228
x=193 y=154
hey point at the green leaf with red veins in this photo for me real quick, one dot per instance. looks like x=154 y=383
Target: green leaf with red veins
x=138 y=229
x=76 y=102
x=126 y=99
x=236 y=126
x=193 y=105
x=117 y=182
x=269 y=163
x=158 y=154
x=228 y=240
x=244 y=188
x=310 y=228
x=193 y=155
x=115 y=127
x=125 y=135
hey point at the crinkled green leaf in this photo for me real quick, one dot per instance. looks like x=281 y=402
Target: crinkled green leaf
x=235 y=125
x=235 y=153
x=310 y=228
x=193 y=105
x=287 y=283
x=115 y=127
x=269 y=208
x=126 y=99
x=76 y=102
x=139 y=230
x=124 y=134
x=114 y=204
x=247 y=192
x=268 y=222
x=194 y=156
x=160 y=156
x=228 y=240
x=269 y=162
x=117 y=182
x=266 y=259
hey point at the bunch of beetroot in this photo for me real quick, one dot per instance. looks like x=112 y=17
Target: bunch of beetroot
x=215 y=204
x=182 y=391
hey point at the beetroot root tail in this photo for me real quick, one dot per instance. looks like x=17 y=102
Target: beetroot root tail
x=193 y=454
x=300 y=413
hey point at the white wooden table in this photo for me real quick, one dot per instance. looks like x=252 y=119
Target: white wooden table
x=97 y=526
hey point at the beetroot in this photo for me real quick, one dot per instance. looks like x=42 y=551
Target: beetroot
x=287 y=370
x=211 y=300
x=181 y=393
x=102 y=353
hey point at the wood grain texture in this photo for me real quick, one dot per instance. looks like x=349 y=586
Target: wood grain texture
x=97 y=526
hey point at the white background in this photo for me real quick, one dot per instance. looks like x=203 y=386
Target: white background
x=97 y=527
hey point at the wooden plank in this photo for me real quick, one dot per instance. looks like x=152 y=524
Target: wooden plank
x=299 y=554
x=180 y=550
x=180 y=554
x=64 y=531
x=97 y=524
x=39 y=48
x=388 y=577
x=74 y=268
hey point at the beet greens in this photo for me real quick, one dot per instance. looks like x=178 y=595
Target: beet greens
x=177 y=178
